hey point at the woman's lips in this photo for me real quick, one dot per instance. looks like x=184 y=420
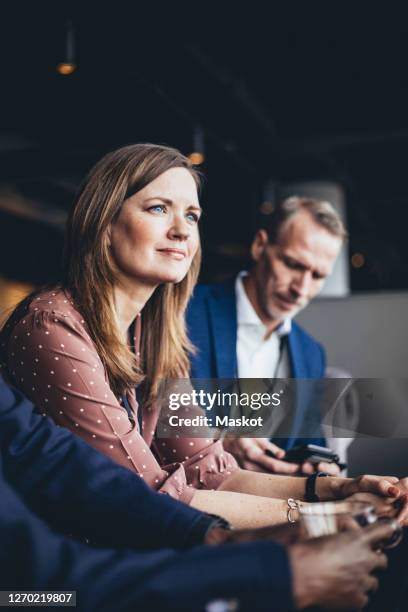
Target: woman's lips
x=173 y=253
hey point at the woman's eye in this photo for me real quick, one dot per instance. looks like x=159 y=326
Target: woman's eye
x=157 y=208
x=193 y=217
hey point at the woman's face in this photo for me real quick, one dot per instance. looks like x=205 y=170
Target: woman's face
x=155 y=236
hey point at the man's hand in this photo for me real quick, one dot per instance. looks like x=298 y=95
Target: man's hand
x=250 y=454
x=335 y=572
x=309 y=468
x=332 y=572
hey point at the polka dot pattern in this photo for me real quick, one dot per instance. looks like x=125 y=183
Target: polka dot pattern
x=71 y=387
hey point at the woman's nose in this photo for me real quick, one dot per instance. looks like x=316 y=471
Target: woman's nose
x=179 y=228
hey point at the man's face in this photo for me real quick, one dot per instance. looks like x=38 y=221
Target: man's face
x=288 y=275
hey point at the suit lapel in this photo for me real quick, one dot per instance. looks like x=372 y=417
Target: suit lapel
x=297 y=356
x=298 y=370
x=223 y=315
x=306 y=418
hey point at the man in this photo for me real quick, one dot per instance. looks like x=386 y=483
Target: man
x=152 y=552
x=245 y=328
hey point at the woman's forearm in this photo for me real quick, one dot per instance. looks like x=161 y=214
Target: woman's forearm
x=253 y=499
x=266 y=485
x=241 y=510
x=281 y=487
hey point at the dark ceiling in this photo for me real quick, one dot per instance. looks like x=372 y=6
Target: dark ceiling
x=283 y=96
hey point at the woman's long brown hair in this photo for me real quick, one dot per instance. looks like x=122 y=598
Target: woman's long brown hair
x=90 y=273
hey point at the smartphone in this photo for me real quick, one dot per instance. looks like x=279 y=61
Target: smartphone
x=312 y=453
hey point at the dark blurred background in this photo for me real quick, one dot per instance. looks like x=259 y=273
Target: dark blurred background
x=268 y=97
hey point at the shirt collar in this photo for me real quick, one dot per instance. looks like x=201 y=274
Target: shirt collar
x=246 y=314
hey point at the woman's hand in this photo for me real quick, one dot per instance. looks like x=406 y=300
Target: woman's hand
x=402 y=485
x=384 y=486
x=385 y=506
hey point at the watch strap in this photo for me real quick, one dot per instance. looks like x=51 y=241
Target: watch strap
x=310 y=492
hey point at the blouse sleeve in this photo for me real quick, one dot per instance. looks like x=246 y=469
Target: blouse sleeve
x=52 y=359
x=205 y=461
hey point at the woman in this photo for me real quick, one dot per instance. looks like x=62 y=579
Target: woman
x=116 y=322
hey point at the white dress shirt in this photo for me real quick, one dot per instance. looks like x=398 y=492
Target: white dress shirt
x=257 y=357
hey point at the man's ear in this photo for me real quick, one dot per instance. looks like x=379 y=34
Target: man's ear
x=259 y=244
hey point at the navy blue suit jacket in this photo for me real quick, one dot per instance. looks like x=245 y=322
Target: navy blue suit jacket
x=49 y=477
x=212 y=325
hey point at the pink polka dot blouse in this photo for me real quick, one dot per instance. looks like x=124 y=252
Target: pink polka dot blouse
x=47 y=352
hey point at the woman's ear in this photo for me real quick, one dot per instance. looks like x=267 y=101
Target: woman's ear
x=259 y=243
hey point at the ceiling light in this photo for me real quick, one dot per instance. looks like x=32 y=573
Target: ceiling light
x=197 y=156
x=68 y=65
x=357 y=260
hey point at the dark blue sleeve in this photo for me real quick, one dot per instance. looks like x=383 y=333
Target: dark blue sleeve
x=80 y=491
x=32 y=557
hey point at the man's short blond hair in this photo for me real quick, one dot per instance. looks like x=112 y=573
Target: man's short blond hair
x=321 y=211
